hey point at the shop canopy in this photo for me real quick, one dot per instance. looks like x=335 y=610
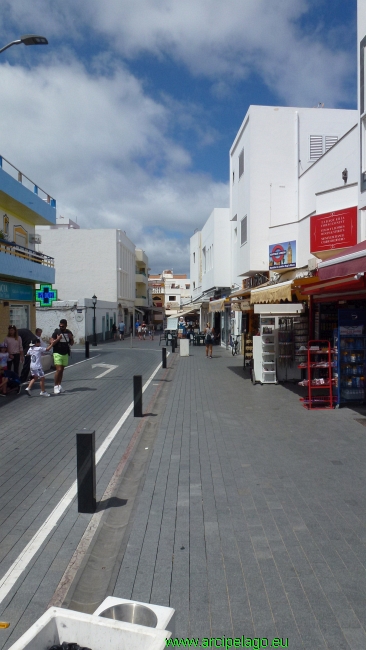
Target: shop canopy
x=217 y=305
x=350 y=262
x=272 y=293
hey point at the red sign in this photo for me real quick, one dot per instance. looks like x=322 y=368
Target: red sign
x=333 y=230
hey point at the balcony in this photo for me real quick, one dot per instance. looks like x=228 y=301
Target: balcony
x=140 y=277
x=22 y=197
x=141 y=301
x=25 y=263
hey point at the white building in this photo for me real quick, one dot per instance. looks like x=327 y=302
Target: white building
x=169 y=292
x=210 y=267
x=98 y=262
x=274 y=147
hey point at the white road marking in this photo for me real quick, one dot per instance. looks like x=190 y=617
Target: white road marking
x=103 y=365
x=8 y=581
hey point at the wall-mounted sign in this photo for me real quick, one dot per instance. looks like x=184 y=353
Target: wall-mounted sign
x=333 y=230
x=45 y=295
x=14 y=291
x=282 y=256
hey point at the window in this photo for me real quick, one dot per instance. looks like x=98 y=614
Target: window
x=241 y=163
x=171 y=298
x=235 y=234
x=243 y=231
x=204 y=259
x=19 y=316
x=194 y=258
x=233 y=177
x=320 y=144
x=20 y=236
x=194 y=285
x=6 y=225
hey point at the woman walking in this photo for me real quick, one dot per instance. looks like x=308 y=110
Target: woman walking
x=209 y=339
x=15 y=348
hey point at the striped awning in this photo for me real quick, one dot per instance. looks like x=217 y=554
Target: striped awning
x=273 y=293
x=217 y=305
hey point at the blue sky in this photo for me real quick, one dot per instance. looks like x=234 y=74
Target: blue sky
x=127 y=116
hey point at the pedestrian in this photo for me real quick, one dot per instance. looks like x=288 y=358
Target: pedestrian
x=151 y=332
x=144 y=330
x=121 y=329
x=36 y=351
x=209 y=339
x=27 y=337
x=39 y=336
x=139 y=332
x=4 y=359
x=114 y=331
x=15 y=348
x=137 y=326
x=61 y=341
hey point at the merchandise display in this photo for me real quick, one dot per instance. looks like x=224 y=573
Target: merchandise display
x=350 y=342
x=320 y=365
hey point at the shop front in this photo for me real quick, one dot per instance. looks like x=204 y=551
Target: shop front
x=17 y=306
x=338 y=318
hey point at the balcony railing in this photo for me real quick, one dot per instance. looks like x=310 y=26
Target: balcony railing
x=11 y=248
x=140 y=271
x=22 y=178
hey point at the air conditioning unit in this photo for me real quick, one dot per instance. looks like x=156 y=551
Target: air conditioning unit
x=35 y=239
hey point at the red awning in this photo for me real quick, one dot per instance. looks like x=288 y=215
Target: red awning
x=349 y=262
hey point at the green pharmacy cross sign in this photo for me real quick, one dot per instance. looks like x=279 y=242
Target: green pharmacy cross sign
x=45 y=295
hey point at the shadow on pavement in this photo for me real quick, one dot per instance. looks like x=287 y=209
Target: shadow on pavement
x=82 y=389
x=113 y=502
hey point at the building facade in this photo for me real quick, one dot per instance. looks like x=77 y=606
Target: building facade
x=169 y=292
x=98 y=262
x=23 y=206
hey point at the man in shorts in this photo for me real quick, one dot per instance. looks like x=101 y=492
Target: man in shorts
x=121 y=329
x=61 y=341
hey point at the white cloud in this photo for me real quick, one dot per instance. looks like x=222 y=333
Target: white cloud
x=99 y=145
x=224 y=41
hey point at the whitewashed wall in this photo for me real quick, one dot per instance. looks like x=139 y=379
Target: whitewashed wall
x=276 y=150
x=79 y=316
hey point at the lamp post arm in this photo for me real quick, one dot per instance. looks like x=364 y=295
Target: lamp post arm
x=10 y=44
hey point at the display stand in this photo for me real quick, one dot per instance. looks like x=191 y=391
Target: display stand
x=319 y=366
x=268 y=339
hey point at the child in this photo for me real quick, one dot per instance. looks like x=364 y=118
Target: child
x=4 y=358
x=36 y=351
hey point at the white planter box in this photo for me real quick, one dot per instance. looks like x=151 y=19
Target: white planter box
x=58 y=625
x=165 y=615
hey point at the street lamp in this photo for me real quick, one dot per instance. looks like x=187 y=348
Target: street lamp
x=94 y=301
x=27 y=39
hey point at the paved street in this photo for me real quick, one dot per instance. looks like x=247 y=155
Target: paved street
x=248 y=511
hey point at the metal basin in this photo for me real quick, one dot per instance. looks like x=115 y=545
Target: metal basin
x=131 y=613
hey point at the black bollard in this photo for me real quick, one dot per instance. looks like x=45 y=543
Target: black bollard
x=85 y=461
x=163 y=354
x=137 y=396
x=173 y=344
x=87 y=353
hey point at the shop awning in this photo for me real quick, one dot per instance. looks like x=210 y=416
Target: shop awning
x=351 y=261
x=273 y=293
x=241 y=305
x=239 y=293
x=217 y=305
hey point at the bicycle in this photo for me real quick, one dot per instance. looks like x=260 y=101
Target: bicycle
x=234 y=342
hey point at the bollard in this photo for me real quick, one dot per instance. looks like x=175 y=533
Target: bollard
x=87 y=353
x=137 y=396
x=173 y=344
x=85 y=462
x=131 y=340
x=163 y=352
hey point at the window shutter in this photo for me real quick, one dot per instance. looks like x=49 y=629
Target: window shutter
x=241 y=163
x=243 y=231
x=330 y=140
x=316 y=147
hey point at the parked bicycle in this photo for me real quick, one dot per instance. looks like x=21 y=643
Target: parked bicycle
x=234 y=343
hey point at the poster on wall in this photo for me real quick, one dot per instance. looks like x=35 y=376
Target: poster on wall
x=333 y=230
x=282 y=256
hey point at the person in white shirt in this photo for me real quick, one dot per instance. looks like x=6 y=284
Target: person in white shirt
x=36 y=351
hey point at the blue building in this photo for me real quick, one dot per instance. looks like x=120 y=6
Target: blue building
x=23 y=206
